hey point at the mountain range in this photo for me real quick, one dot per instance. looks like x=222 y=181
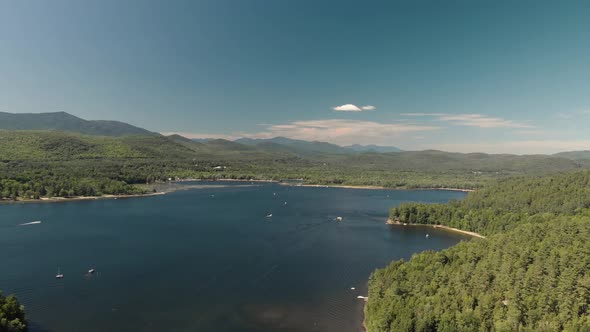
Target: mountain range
x=280 y=146
x=62 y=121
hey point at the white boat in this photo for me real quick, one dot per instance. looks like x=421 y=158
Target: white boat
x=31 y=223
x=427 y=235
x=59 y=275
x=269 y=216
x=91 y=271
x=338 y=218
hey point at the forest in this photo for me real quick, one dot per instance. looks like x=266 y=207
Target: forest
x=532 y=273
x=38 y=164
x=502 y=206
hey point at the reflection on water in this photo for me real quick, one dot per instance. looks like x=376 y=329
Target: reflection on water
x=207 y=259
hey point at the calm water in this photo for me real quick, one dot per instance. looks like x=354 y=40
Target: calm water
x=207 y=259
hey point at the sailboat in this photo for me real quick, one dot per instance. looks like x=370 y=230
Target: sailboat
x=59 y=275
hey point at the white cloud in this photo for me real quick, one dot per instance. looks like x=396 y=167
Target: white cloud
x=571 y=115
x=532 y=132
x=472 y=120
x=368 y=108
x=562 y=115
x=423 y=114
x=347 y=108
x=338 y=131
x=346 y=132
x=343 y=132
x=354 y=108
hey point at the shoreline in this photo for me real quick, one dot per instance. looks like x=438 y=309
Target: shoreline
x=450 y=189
x=446 y=228
x=162 y=191
x=79 y=198
x=336 y=186
x=299 y=184
x=372 y=187
x=169 y=190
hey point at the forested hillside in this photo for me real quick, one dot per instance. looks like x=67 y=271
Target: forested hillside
x=574 y=155
x=500 y=207
x=532 y=273
x=59 y=146
x=36 y=164
x=534 y=278
x=63 y=121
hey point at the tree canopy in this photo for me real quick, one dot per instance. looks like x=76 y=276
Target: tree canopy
x=12 y=315
x=532 y=273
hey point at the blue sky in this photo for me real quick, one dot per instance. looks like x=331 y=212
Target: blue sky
x=491 y=76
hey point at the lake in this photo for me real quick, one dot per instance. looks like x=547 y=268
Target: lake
x=208 y=259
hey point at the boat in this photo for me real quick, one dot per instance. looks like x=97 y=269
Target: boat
x=269 y=216
x=31 y=223
x=338 y=218
x=59 y=275
x=91 y=271
x=427 y=235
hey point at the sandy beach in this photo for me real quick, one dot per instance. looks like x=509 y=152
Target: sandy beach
x=370 y=187
x=299 y=184
x=450 y=229
x=333 y=186
x=78 y=198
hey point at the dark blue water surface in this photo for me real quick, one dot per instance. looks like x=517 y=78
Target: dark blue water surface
x=207 y=259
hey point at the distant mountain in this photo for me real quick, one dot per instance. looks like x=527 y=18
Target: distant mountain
x=202 y=140
x=226 y=145
x=63 y=146
x=574 y=155
x=299 y=147
x=373 y=148
x=63 y=121
x=157 y=149
x=277 y=140
x=186 y=142
x=473 y=163
x=180 y=139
